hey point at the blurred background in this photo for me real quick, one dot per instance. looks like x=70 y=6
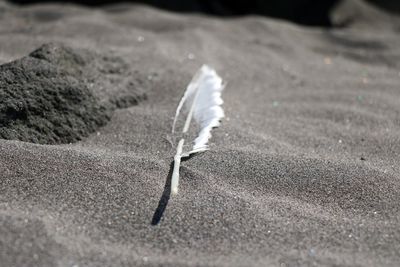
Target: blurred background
x=307 y=12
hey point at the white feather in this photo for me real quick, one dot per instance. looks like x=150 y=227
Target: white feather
x=203 y=96
x=202 y=101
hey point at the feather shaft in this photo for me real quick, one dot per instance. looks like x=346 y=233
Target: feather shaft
x=177 y=163
x=190 y=114
x=193 y=85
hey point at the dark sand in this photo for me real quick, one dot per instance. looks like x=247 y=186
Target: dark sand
x=304 y=170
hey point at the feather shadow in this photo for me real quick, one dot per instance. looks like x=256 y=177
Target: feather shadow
x=166 y=195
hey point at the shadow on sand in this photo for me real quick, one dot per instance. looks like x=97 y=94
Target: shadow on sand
x=166 y=195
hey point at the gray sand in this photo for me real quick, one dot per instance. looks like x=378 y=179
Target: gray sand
x=304 y=170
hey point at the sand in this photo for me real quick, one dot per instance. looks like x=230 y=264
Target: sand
x=304 y=170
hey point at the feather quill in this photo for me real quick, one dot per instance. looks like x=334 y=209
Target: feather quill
x=202 y=101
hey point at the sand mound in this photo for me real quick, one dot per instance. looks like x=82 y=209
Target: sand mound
x=46 y=97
